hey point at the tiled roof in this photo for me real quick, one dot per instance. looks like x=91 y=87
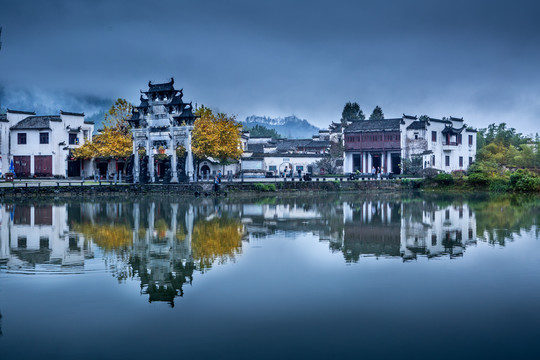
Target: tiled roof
x=409 y=117
x=258 y=148
x=21 y=112
x=318 y=144
x=71 y=113
x=374 y=125
x=36 y=122
x=291 y=144
x=452 y=130
x=177 y=100
x=168 y=86
x=417 y=125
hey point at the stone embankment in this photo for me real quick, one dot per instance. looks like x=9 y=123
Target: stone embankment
x=79 y=189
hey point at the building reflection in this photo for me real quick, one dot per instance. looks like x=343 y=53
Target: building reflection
x=38 y=236
x=163 y=243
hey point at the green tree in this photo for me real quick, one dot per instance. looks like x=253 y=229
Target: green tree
x=262 y=131
x=351 y=112
x=377 y=114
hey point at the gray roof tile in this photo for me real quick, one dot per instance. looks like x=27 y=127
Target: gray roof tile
x=36 y=122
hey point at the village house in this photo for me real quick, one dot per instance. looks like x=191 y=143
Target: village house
x=275 y=157
x=443 y=144
x=41 y=146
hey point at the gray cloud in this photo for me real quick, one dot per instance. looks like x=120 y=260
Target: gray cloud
x=476 y=59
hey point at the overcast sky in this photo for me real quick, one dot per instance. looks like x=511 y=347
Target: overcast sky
x=474 y=59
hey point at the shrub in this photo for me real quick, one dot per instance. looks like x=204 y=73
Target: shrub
x=478 y=179
x=524 y=181
x=499 y=185
x=458 y=174
x=443 y=179
x=412 y=183
x=264 y=187
x=429 y=173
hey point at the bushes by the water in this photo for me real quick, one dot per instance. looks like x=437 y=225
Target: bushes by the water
x=524 y=181
x=443 y=179
x=478 y=179
x=264 y=187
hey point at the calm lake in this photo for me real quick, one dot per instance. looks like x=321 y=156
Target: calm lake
x=330 y=276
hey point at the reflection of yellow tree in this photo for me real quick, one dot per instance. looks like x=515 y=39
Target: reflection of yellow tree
x=219 y=239
x=109 y=237
x=161 y=228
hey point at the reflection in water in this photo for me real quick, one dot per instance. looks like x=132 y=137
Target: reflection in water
x=163 y=242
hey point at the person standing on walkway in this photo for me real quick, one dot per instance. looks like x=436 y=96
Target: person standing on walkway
x=373 y=171
x=216 y=184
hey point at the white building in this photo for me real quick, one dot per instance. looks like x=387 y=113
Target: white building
x=265 y=155
x=447 y=145
x=41 y=145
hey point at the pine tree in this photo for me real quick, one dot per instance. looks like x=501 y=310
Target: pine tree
x=351 y=112
x=377 y=114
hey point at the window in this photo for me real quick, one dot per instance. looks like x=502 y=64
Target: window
x=301 y=168
x=416 y=136
x=470 y=140
x=447 y=214
x=470 y=160
x=432 y=160
x=21 y=242
x=43 y=242
x=85 y=135
x=447 y=160
x=44 y=138
x=434 y=136
x=21 y=138
x=73 y=139
x=272 y=168
x=433 y=240
x=461 y=161
x=459 y=139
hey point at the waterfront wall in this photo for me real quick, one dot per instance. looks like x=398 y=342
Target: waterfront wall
x=199 y=188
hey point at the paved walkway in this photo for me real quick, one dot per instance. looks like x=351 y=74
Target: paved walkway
x=79 y=182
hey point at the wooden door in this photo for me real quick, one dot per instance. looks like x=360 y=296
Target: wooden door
x=43 y=165
x=22 y=166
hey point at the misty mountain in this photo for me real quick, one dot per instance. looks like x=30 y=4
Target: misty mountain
x=290 y=127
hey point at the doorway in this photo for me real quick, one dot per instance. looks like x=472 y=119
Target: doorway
x=376 y=161
x=396 y=161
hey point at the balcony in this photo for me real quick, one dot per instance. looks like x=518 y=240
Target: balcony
x=449 y=145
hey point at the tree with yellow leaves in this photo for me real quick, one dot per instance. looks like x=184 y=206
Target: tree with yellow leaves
x=114 y=140
x=217 y=136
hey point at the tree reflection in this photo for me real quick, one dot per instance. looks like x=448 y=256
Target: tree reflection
x=218 y=239
x=108 y=237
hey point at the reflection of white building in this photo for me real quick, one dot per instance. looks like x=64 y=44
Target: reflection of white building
x=36 y=236
x=439 y=231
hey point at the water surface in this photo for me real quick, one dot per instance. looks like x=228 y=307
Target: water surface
x=273 y=277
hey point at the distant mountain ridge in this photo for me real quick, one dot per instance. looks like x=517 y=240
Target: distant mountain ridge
x=289 y=126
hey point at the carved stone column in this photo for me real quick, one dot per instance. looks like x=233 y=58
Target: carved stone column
x=174 y=171
x=150 y=159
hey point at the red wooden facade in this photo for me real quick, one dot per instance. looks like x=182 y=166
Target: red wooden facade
x=382 y=140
